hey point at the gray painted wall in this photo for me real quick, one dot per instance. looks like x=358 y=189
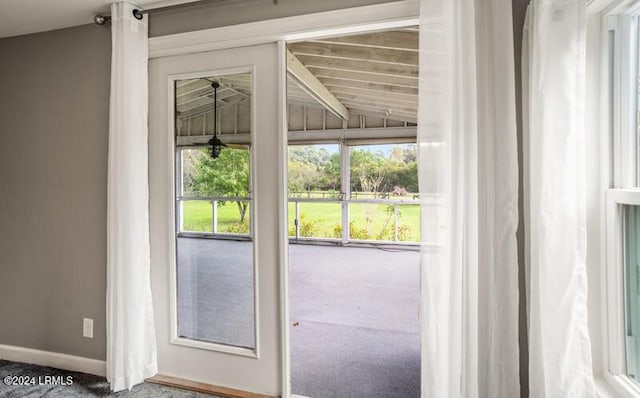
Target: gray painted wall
x=54 y=102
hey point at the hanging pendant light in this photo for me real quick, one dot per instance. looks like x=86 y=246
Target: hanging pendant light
x=214 y=143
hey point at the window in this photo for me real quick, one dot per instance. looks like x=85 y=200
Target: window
x=353 y=192
x=622 y=214
x=215 y=192
x=215 y=287
x=383 y=193
x=315 y=193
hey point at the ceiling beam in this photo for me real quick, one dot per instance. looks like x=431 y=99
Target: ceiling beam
x=390 y=108
x=365 y=77
x=366 y=93
x=346 y=83
x=398 y=134
x=208 y=107
x=385 y=115
x=404 y=40
x=386 y=102
x=405 y=115
x=319 y=61
x=341 y=51
x=401 y=134
x=309 y=83
x=223 y=93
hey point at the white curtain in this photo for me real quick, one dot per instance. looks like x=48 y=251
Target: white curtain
x=469 y=192
x=553 y=81
x=131 y=343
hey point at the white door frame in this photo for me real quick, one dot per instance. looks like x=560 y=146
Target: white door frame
x=212 y=363
x=324 y=24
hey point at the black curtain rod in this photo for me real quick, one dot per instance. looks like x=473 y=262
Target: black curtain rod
x=139 y=14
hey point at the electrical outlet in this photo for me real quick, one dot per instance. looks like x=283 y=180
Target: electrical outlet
x=87 y=327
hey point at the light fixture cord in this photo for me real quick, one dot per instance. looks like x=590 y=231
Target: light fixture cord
x=215 y=108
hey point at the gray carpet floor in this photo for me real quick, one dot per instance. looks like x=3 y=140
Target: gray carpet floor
x=354 y=313
x=84 y=385
x=355 y=328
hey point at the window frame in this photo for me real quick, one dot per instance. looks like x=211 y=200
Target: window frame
x=181 y=198
x=619 y=44
x=345 y=199
x=615 y=297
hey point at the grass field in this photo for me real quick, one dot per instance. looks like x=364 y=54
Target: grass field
x=198 y=216
x=317 y=220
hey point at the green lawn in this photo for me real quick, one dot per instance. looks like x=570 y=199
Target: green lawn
x=319 y=220
x=198 y=216
x=323 y=220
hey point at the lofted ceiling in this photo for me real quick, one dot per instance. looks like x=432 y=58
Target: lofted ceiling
x=332 y=82
x=371 y=74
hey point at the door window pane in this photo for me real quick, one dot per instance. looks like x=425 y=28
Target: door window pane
x=215 y=264
x=197 y=216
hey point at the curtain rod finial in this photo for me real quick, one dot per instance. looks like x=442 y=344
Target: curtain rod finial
x=101 y=19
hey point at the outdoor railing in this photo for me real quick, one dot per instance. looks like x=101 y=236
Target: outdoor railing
x=394 y=229
x=345 y=227
x=237 y=229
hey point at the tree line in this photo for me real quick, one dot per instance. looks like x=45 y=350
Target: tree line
x=313 y=168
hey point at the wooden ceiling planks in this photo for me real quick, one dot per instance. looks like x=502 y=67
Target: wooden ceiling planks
x=369 y=74
x=373 y=73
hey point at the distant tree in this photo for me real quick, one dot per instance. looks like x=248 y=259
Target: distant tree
x=189 y=159
x=313 y=168
x=303 y=176
x=365 y=167
x=397 y=154
x=330 y=176
x=410 y=154
x=309 y=154
x=228 y=175
x=403 y=175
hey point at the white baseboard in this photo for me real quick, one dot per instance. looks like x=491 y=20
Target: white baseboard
x=53 y=359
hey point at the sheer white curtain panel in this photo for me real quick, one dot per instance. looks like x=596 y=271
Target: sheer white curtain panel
x=554 y=65
x=131 y=343
x=468 y=176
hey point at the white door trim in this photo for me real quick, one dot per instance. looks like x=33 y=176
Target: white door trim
x=329 y=23
x=283 y=230
x=198 y=362
x=390 y=15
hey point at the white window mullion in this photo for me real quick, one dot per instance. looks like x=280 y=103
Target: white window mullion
x=625 y=77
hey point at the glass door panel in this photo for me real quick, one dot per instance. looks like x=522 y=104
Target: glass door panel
x=214 y=250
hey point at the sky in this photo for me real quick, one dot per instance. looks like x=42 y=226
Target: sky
x=386 y=149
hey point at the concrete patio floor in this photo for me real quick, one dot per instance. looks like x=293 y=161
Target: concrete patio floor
x=354 y=322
